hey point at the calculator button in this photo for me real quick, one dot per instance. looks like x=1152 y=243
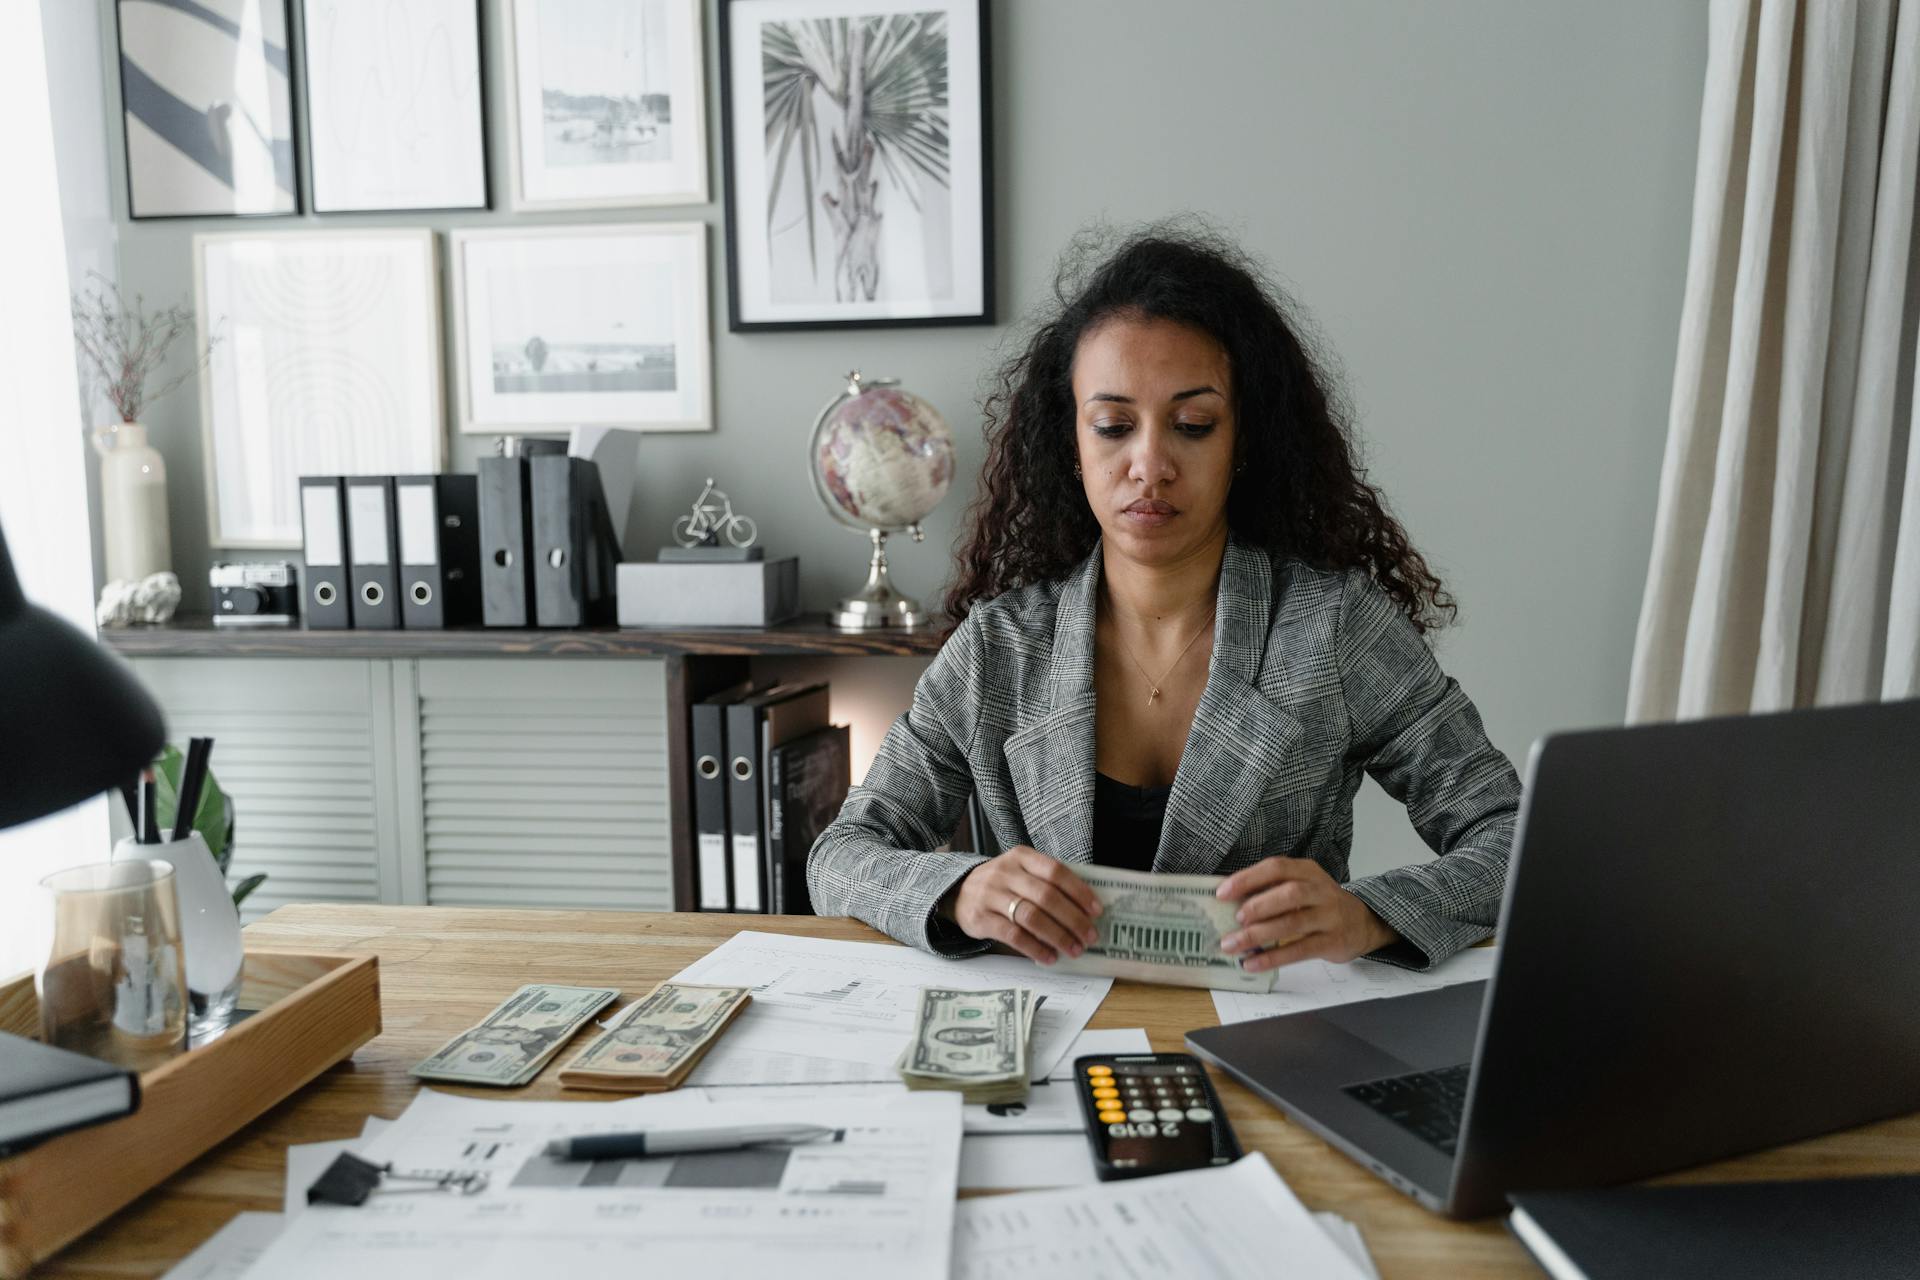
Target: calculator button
x=1099 y=1071
x=1168 y=1114
x=1106 y=1093
x=1140 y=1116
x=1199 y=1115
x=1113 y=1117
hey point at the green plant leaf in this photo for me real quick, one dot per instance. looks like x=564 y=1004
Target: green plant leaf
x=247 y=886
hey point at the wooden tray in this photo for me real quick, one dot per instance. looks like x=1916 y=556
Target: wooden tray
x=313 y=1011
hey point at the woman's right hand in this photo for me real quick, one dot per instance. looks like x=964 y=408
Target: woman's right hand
x=1030 y=902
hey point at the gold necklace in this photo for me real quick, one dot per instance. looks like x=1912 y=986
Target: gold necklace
x=1153 y=686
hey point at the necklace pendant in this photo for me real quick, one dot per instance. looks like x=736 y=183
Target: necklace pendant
x=1152 y=693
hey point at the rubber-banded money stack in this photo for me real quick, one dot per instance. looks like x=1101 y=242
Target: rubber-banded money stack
x=653 y=1043
x=975 y=1043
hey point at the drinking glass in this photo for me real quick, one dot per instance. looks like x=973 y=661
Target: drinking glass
x=114 y=984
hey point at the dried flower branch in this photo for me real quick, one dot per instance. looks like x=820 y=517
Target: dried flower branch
x=122 y=348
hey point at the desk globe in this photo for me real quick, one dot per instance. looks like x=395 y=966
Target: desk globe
x=881 y=459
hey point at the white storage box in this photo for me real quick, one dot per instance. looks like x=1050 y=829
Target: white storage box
x=755 y=593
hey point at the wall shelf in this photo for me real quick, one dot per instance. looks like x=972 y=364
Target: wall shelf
x=806 y=635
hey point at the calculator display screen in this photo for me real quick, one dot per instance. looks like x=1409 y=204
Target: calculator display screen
x=1182 y=1144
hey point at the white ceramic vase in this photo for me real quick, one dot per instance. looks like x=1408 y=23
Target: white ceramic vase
x=209 y=926
x=133 y=503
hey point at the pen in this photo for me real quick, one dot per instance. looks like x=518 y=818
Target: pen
x=193 y=776
x=630 y=1146
x=149 y=816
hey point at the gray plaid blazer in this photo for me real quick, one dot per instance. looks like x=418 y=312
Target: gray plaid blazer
x=1315 y=677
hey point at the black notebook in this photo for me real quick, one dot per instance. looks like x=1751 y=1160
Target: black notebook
x=44 y=1091
x=1834 y=1228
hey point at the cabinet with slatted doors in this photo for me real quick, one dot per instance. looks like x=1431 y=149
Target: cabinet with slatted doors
x=305 y=746
x=535 y=783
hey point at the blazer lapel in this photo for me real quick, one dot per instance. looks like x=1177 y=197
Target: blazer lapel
x=1051 y=758
x=1238 y=738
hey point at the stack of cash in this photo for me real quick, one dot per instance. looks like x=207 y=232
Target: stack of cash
x=972 y=1042
x=655 y=1041
x=1162 y=928
x=514 y=1041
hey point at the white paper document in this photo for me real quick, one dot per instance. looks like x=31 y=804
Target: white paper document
x=1347 y=1236
x=828 y=1012
x=875 y=1199
x=1206 y=1224
x=1316 y=984
x=1038 y=1142
x=229 y=1252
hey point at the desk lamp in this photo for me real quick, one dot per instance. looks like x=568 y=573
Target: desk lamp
x=74 y=720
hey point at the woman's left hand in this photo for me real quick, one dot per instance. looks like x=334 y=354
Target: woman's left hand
x=1295 y=910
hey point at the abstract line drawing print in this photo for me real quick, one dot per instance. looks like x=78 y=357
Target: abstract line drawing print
x=328 y=366
x=207 y=110
x=394 y=109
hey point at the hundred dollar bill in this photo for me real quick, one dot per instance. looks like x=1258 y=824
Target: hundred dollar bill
x=654 y=1042
x=1160 y=928
x=975 y=1043
x=514 y=1041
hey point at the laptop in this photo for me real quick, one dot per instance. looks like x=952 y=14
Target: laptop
x=1707 y=946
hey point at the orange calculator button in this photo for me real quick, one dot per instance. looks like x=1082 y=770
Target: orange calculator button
x=1113 y=1117
x=1106 y=1091
x=1099 y=1071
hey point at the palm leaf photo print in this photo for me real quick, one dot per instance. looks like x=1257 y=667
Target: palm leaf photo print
x=857 y=145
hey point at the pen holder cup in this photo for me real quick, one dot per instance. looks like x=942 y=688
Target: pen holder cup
x=209 y=928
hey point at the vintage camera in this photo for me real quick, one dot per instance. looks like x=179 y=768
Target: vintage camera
x=255 y=595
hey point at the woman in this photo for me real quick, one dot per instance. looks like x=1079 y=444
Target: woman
x=1186 y=626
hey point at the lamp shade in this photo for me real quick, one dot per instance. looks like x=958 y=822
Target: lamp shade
x=74 y=721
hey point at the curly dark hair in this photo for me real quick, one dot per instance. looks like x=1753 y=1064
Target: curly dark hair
x=1303 y=492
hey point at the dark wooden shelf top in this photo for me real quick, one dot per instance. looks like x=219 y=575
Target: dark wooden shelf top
x=806 y=635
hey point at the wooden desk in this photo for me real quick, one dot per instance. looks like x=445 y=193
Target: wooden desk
x=442 y=969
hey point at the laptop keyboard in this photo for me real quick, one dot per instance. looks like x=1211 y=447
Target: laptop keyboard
x=1426 y=1103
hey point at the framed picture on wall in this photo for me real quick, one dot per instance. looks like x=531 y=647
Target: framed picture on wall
x=327 y=362
x=206 y=109
x=608 y=103
x=859 y=188
x=394 y=112
x=589 y=325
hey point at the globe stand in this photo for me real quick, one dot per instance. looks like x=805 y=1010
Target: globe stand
x=877 y=604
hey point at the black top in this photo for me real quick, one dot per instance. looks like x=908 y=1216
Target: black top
x=1126 y=823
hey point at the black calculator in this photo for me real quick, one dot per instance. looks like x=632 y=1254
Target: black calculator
x=1151 y=1113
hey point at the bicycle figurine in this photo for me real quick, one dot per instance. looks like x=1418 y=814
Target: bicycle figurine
x=712 y=519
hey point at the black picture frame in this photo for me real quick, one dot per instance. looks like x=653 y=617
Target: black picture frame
x=172 y=113
x=985 y=314
x=308 y=120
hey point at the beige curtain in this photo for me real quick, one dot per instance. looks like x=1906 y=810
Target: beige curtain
x=1786 y=549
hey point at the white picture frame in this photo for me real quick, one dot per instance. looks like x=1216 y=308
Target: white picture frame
x=606 y=109
x=326 y=360
x=564 y=326
x=395 y=117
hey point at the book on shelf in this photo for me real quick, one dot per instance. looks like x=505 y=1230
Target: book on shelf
x=807 y=781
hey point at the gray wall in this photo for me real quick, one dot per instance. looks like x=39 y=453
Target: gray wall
x=1483 y=205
